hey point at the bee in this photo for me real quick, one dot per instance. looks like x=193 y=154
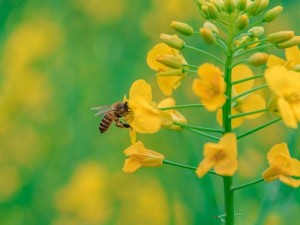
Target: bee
x=112 y=113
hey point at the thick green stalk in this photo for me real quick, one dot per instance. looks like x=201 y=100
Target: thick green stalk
x=228 y=180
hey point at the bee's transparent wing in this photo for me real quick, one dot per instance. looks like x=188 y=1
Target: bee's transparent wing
x=102 y=109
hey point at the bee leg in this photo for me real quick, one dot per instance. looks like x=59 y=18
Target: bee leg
x=120 y=124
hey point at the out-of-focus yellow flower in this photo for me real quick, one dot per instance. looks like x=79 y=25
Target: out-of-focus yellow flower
x=248 y=103
x=143 y=116
x=292 y=58
x=140 y=156
x=221 y=156
x=171 y=115
x=286 y=86
x=167 y=83
x=282 y=166
x=210 y=86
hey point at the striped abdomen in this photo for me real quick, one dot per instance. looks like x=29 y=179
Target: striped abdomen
x=106 y=122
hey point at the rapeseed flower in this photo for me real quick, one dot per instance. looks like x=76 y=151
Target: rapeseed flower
x=167 y=83
x=210 y=86
x=143 y=116
x=292 y=56
x=286 y=86
x=282 y=166
x=171 y=115
x=139 y=156
x=221 y=156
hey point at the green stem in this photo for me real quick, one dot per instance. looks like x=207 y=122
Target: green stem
x=239 y=62
x=248 y=113
x=187 y=70
x=198 y=128
x=182 y=106
x=247 y=184
x=186 y=166
x=258 y=128
x=204 y=52
x=254 y=49
x=229 y=200
x=202 y=133
x=190 y=66
x=249 y=91
x=247 y=79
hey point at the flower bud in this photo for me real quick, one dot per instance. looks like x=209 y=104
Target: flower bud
x=212 y=11
x=281 y=36
x=241 y=5
x=242 y=22
x=253 y=8
x=263 y=4
x=173 y=41
x=229 y=6
x=258 y=59
x=182 y=28
x=174 y=72
x=218 y=4
x=208 y=35
x=290 y=43
x=200 y=3
x=256 y=31
x=272 y=13
x=169 y=61
x=211 y=26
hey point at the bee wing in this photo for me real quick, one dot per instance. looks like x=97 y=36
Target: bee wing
x=102 y=109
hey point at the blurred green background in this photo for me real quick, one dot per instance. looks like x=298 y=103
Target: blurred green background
x=60 y=58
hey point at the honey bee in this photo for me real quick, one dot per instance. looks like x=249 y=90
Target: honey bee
x=112 y=113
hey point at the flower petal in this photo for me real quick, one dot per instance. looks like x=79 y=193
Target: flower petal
x=168 y=84
x=252 y=103
x=275 y=61
x=293 y=54
x=289 y=181
x=287 y=113
x=278 y=149
x=240 y=72
x=141 y=88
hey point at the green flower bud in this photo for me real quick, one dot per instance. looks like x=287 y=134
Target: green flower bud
x=255 y=8
x=258 y=59
x=256 y=31
x=182 y=28
x=208 y=35
x=241 y=5
x=290 y=43
x=218 y=4
x=212 y=11
x=211 y=26
x=242 y=22
x=169 y=61
x=263 y=5
x=281 y=36
x=272 y=14
x=173 y=41
x=175 y=72
x=229 y=6
x=200 y=3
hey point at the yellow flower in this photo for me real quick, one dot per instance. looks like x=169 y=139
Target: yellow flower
x=168 y=83
x=286 y=86
x=171 y=115
x=210 y=86
x=248 y=103
x=222 y=156
x=143 y=116
x=282 y=166
x=292 y=58
x=140 y=156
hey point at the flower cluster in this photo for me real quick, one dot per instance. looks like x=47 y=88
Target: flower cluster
x=240 y=83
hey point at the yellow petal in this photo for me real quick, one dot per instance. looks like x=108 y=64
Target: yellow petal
x=289 y=181
x=287 y=113
x=229 y=143
x=275 y=61
x=278 y=149
x=239 y=72
x=270 y=174
x=212 y=104
x=293 y=54
x=208 y=71
x=205 y=165
x=296 y=109
x=141 y=88
x=167 y=102
x=131 y=165
x=157 y=50
x=168 y=84
x=252 y=103
x=132 y=135
x=226 y=167
x=146 y=119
